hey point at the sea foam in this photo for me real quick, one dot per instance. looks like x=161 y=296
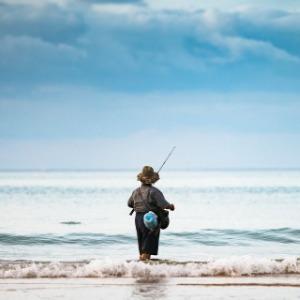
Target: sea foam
x=234 y=266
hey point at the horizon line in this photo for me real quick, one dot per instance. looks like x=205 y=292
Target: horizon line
x=135 y=169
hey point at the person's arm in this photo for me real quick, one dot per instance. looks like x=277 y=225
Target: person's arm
x=130 y=201
x=171 y=207
x=160 y=200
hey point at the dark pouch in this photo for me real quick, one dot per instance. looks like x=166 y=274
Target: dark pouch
x=163 y=217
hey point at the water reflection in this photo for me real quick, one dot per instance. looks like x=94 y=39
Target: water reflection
x=149 y=289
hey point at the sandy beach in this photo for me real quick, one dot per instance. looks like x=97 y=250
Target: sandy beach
x=264 y=287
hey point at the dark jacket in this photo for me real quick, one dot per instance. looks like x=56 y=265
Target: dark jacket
x=149 y=193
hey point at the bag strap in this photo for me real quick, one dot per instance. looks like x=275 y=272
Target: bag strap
x=145 y=201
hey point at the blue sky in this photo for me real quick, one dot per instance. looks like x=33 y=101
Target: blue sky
x=115 y=84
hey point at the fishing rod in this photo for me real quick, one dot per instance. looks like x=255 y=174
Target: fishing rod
x=167 y=158
x=169 y=155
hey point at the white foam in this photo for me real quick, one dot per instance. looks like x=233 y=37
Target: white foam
x=234 y=266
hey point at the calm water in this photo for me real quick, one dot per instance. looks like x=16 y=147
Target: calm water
x=238 y=216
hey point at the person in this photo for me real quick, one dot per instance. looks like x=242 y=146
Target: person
x=142 y=200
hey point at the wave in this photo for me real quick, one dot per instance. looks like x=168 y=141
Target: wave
x=70 y=223
x=209 y=237
x=231 y=267
x=83 y=239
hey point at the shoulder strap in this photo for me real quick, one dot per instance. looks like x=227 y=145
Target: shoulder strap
x=145 y=201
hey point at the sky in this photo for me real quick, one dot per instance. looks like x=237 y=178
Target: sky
x=111 y=84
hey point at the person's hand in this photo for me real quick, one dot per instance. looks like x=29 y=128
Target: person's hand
x=171 y=207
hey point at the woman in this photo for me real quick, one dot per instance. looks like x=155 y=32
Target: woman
x=142 y=200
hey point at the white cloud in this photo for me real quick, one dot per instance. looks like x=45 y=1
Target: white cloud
x=117 y=9
x=223 y=5
x=36 y=3
x=240 y=48
x=126 y=42
x=21 y=50
x=210 y=27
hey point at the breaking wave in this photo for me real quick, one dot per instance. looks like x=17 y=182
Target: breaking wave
x=235 y=266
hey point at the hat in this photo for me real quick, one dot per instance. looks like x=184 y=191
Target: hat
x=148 y=176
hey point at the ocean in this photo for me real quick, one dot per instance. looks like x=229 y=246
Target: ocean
x=77 y=224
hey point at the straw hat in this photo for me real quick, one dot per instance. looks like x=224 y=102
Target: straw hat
x=148 y=176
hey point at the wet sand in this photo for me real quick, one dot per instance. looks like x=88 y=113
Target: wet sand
x=263 y=287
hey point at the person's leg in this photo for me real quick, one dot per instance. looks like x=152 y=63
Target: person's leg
x=148 y=240
x=151 y=242
x=139 y=233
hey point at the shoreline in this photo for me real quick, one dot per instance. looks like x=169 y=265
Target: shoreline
x=266 y=280
x=209 y=288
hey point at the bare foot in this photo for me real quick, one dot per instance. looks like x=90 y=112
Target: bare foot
x=145 y=256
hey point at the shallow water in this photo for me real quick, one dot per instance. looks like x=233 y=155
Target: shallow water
x=251 y=216
x=91 y=289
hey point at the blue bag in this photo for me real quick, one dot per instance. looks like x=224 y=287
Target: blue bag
x=150 y=220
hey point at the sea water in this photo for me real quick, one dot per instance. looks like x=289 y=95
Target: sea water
x=77 y=224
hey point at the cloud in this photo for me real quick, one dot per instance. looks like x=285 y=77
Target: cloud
x=130 y=45
x=49 y=22
x=34 y=3
x=118 y=9
x=29 y=59
x=223 y=5
x=80 y=80
x=114 y=1
x=244 y=48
